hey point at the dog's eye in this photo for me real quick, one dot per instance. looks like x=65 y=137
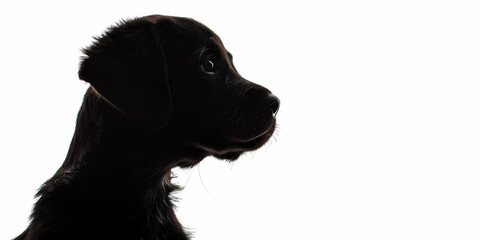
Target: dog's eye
x=209 y=67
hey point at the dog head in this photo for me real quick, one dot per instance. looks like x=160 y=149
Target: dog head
x=174 y=75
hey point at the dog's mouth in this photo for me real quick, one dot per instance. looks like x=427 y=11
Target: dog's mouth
x=231 y=148
x=239 y=146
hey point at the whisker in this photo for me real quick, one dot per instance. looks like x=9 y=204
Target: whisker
x=201 y=180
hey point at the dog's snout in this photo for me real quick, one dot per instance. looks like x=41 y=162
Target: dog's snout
x=259 y=94
x=274 y=103
x=256 y=92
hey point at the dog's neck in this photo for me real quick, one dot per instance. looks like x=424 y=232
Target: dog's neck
x=115 y=142
x=124 y=168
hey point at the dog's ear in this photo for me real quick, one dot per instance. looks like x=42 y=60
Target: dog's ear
x=127 y=66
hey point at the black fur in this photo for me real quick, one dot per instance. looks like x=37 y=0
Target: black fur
x=164 y=93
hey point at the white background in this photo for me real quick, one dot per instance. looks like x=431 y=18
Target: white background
x=379 y=122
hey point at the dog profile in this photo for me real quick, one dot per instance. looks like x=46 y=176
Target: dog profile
x=163 y=93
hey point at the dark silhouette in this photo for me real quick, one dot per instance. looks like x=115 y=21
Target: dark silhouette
x=164 y=93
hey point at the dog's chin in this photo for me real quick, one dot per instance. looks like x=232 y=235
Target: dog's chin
x=239 y=146
x=230 y=148
x=229 y=156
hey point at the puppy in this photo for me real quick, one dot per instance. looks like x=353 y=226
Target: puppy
x=164 y=93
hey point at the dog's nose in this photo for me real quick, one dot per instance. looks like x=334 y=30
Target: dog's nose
x=274 y=103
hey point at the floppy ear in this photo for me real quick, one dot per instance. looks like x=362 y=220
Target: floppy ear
x=127 y=66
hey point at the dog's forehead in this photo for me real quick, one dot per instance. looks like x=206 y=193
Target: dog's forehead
x=197 y=32
x=201 y=32
x=153 y=18
x=215 y=40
